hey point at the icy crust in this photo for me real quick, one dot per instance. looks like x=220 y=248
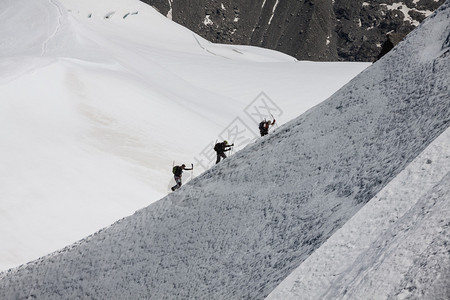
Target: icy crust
x=394 y=247
x=240 y=228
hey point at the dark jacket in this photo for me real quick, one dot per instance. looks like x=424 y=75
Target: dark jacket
x=221 y=147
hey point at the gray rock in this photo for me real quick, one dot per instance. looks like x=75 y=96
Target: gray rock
x=339 y=30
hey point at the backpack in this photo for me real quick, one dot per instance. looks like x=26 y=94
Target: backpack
x=218 y=147
x=177 y=170
x=262 y=125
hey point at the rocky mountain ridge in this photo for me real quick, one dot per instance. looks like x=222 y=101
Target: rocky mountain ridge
x=336 y=30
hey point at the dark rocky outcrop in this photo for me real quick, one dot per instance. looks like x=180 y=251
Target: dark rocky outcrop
x=339 y=30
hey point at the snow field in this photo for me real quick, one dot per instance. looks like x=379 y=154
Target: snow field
x=95 y=111
x=240 y=228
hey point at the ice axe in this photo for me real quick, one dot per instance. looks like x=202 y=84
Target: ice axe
x=274 y=120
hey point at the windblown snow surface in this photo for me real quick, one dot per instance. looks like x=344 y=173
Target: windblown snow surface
x=238 y=230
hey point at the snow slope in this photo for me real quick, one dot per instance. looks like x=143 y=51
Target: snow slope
x=240 y=228
x=396 y=246
x=99 y=98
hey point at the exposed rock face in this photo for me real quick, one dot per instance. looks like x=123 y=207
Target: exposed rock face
x=326 y=30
